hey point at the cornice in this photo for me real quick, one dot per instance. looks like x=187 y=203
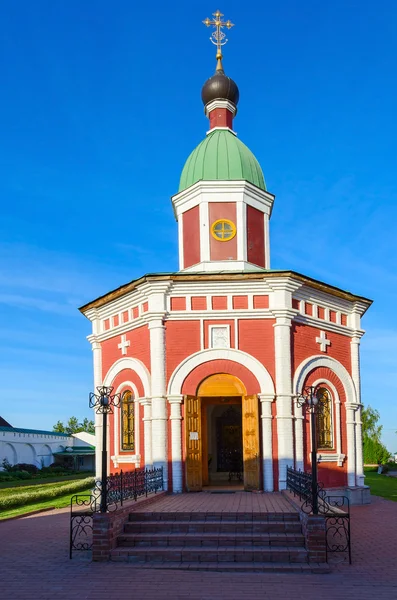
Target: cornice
x=266 y=276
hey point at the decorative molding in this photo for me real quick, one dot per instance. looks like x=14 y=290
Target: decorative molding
x=313 y=362
x=135 y=365
x=191 y=362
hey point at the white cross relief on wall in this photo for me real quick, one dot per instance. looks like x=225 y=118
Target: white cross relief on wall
x=123 y=344
x=322 y=340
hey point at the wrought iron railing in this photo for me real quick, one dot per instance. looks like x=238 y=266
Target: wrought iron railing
x=335 y=510
x=119 y=488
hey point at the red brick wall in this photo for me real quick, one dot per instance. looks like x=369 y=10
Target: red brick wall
x=222 y=250
x=305 y=345
x=139 y=348
x=191 y=237
x=261 y=301
x=219 y=302
x=255 y=236
x=182 y=340
x=240 y=302
x=178 y=303
x=199 y=303
x=256 y=336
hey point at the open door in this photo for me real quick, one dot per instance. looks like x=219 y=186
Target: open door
x=194 y=481
x=251 y=442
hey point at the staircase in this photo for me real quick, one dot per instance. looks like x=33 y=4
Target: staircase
x=233 y=541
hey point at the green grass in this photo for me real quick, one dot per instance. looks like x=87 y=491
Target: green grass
x=45 y=480
x=60 y=502
x=381 y=485
x=14 y=497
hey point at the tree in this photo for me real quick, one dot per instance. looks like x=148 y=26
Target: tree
x=374 y=451
x=73 y=426
x=370 y=417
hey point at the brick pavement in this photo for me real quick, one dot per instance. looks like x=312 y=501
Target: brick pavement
x=34 y=565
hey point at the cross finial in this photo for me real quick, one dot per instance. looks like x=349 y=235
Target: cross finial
x=218 y=37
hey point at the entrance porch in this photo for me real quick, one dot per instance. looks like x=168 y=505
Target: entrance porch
x=222 y=436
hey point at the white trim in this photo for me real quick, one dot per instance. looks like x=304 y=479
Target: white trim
x=117 y=421
x=217 y=326
x=241 y=224
x=180 y=239
x=335 y=400
x=313 y=362
x=222 y=129
x=220 y=103
x=204 y=220
x=191 y=362
x=135 y=365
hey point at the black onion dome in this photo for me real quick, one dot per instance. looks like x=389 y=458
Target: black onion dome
x=219 y=86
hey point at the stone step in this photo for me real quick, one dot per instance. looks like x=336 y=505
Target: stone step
x=203 y=526
x=241 y=567
x=229 y=554
x=210 y=540
x=215 y=516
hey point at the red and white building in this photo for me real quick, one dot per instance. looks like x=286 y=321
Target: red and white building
x=210 y=359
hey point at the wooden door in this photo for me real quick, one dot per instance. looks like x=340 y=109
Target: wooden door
x=194 y=476
x=251 y=442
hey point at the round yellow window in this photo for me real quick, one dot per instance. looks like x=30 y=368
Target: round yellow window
x=223 y=230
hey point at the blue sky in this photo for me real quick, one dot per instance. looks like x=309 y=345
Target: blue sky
x=100 y=107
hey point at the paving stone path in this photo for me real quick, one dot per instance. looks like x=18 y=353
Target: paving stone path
x=34 y=565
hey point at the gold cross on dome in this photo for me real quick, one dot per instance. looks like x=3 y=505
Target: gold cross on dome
x=218 y=37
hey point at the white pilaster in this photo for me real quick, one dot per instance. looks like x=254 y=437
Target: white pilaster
x=97 y=362
x=267 y=443
x=147 y=431
x=267 y=241
x=241 y=213
x=355 y=358
x=351 y=445
x=204 y=232
x=176 y=442
x=299 y=420
x=181 y=248
x=159 y=405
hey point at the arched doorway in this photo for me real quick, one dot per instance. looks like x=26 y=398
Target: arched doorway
x=222 y=435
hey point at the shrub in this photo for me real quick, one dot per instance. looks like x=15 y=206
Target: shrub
x=21 y=496
x=25 y=467
x=22 y=474
x=7 y=466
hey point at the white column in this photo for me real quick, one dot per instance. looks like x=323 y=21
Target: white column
x=204 y=232
x=147 y=431
x=159 y=405
x=299 y=419
x=97 y=362
x=180 y=238
x=267 y=241
x=267 y=442
x=241 y=213
x=351 y=445
x=355 y=357
x=176 y=442
x=282 y=342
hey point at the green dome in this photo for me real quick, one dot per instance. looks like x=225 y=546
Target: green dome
x=221 y=156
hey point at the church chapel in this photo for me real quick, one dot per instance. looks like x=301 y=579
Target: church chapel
x=210 y=360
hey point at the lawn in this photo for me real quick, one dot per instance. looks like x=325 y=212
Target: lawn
x=381 y=485
x=20 y=500
x=59 y=502
x=44 y=480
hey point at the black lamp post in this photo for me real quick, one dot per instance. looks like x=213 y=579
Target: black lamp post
x=103 y=403
x=314 y=401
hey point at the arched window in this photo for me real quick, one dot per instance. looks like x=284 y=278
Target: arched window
x=127 y=421
x=324 y=420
